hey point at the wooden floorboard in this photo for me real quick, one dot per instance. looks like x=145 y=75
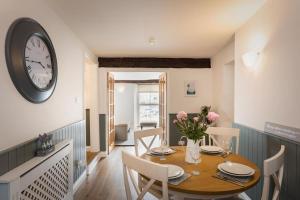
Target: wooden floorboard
x=106 y=181
x=90 y=156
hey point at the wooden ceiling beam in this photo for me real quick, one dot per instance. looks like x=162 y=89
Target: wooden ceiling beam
x=154 y=62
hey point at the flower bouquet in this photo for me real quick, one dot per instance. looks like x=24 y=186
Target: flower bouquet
x=194 y=129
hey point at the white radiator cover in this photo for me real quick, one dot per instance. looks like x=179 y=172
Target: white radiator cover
x=41 y=178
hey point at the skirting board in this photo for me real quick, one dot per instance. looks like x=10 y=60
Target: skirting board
x=103 y=153
x=79 y=181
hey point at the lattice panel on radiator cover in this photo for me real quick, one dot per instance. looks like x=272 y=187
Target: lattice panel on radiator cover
x=52 y=185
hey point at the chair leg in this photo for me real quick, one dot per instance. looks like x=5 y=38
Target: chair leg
x=140 y=182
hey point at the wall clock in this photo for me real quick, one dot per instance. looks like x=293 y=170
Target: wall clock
x=31 y=60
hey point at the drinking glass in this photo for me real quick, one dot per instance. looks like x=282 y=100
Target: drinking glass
x=196 y=158
x=226 y=144
x=181 y=142
x=164 y=149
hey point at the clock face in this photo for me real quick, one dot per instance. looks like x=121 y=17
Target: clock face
x=38 y=62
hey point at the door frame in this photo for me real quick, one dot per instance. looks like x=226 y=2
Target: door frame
x=112 y=70
x=110 y=112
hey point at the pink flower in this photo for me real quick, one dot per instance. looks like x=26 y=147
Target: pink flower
x=196 y=119
x=175 y=121
x=181 y=116
x=212 y=116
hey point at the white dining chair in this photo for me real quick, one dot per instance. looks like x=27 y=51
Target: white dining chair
x=153 y=171
x=217 y=133
x=273 y=167
x=139 y=137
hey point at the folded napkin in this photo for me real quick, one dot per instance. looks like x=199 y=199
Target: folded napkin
x=235 y=178
x=179 y=180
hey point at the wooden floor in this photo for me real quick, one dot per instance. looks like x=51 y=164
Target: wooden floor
x=106 y=181
x=90 y=156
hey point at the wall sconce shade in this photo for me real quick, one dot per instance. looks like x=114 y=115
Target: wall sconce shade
x=250 y=58
x=121 y=88
x=151 y=41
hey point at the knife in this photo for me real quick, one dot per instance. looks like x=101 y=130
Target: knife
x=229 y=180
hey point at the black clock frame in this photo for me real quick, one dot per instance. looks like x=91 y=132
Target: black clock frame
x=17 y=36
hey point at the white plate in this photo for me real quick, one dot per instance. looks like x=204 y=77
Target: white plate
x=236 y=175
x=211 y=149
x=174 y=171
x=179 y=175
x=236 y=169
x=159 y=150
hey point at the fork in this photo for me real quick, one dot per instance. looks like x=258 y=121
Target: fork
x=228 y=180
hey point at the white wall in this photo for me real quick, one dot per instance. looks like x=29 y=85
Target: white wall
x=270 y=91
x=21 y=120
x=125 y=97
x=223 y=87
x=91 y=101
x=136 y=75
x=176 y=101
x=176 y=98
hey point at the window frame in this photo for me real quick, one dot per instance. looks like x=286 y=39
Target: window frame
x=145 y=104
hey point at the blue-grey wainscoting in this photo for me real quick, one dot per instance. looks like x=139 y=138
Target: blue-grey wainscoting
x=15 y=156
x=75 y=131
x=253 y=146
x=257 y=146
x=102 y=127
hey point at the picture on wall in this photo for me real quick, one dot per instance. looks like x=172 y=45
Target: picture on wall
x=190 y=88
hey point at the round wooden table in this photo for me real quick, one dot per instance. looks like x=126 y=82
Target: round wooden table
x=205 y=186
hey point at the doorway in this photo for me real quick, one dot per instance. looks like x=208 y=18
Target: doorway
x=136 y=100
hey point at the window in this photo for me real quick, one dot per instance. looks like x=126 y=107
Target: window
x=148 y=103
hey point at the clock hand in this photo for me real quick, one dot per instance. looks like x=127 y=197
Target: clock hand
x=42 y=65
x=36 y=62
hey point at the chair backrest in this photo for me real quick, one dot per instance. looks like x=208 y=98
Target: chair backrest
x=154 y=171
x=273 y=167
x=139 y=135
x=229 y=133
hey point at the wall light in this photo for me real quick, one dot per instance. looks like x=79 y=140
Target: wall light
x=250 y=58
x=121 y=88
x=151 y=41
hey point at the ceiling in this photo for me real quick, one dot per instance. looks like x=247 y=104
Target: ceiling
x=180 y=28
